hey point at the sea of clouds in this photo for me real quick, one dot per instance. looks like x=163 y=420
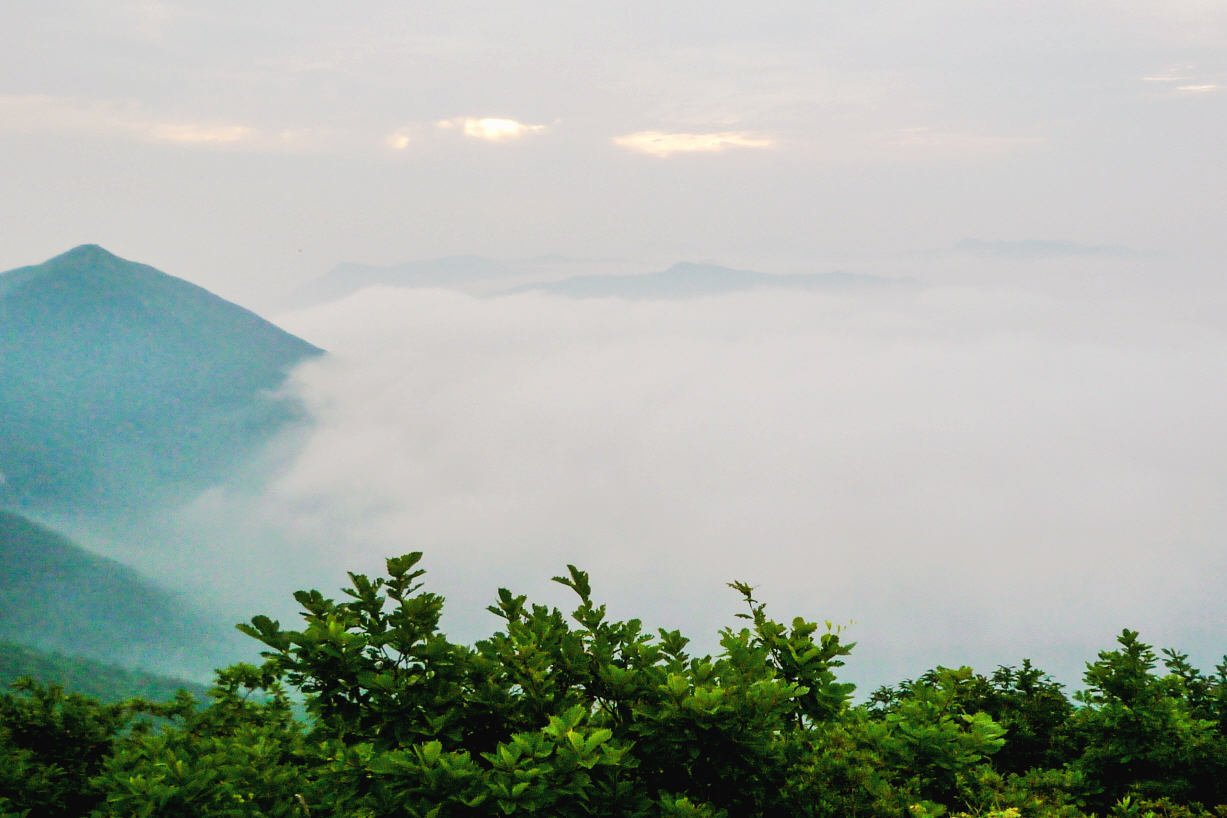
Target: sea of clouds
x=968 y=474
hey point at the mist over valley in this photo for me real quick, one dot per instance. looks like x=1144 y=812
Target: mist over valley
x=1025 y=466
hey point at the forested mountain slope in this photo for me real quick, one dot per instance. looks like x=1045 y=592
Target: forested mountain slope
x=55 y=595
x=101 y=680
x=119 y=382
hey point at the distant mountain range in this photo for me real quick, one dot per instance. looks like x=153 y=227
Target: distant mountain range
x=687 y=280
x=119 y=382
x=476 y=275
x=450 y=272
x=489 y=277
x=56 y=596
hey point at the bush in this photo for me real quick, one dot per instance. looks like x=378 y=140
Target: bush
x=370 y=711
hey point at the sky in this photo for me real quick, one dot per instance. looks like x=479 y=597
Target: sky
x=1016 y=455
x=249 y=148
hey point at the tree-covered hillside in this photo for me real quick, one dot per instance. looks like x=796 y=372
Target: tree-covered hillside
x=55 y=595
x=103 y=681
x=579 y=716
x=119 y=382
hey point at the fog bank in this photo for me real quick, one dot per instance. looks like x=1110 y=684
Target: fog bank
x=971 y=475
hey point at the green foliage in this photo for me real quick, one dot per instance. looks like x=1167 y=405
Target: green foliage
x=236 y=758
x=1031 y=707
x=575 y=718
x=929 y=743
x=1140 y=733
x=581 y=715
x=51 y=746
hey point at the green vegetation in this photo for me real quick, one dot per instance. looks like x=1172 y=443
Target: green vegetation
x=119 y=382
x=583 y=716
x=55 y=595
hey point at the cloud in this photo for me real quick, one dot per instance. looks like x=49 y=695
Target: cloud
x=1178 y=74
x=39 y=113
x=191 y=133
x=1195 y=83
x=492 y=130
x=659 y=143
x=399 y=140
x=1035 y=249
x=923 y=137
x=971 y=475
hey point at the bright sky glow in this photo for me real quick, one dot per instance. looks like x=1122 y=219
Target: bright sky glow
x=665 y=144
x=41 y=113
x=492 y=130
x=191 y=133
x=399 y=140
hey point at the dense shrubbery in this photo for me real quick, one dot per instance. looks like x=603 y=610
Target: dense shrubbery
x=589 y=717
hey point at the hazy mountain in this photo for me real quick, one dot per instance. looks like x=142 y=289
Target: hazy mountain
x=118 y=381
x=475 y=275
x=56 y=596
x=452 y=272
x=89 y=677
x=687 y=280
x=1035 y=249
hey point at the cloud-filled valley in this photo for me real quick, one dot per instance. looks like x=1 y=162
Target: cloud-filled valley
x=971 y=474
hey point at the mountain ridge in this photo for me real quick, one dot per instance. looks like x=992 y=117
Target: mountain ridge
x=118 y=380
x=57 y=596
x=481 y=276
x=689 y=279
x=90 y=677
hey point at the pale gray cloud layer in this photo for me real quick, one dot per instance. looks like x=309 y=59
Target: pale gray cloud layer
x=971 y=474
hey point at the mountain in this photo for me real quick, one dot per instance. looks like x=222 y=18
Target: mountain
x=119 y=382
x=687 y=280
x=475 y=275
x=108 y=682
x=451 y=272
x=56 y=596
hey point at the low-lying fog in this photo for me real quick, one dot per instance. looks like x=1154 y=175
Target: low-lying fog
x=969 y=473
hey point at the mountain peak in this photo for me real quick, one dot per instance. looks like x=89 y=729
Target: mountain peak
x=117 y=378
x=91 y=261
x=88 y=252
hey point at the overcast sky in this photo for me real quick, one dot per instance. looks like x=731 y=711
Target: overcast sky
x=1014 y=457
x=251 y=146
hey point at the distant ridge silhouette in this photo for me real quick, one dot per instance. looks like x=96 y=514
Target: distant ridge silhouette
x=347 y=277
x=689 y=280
